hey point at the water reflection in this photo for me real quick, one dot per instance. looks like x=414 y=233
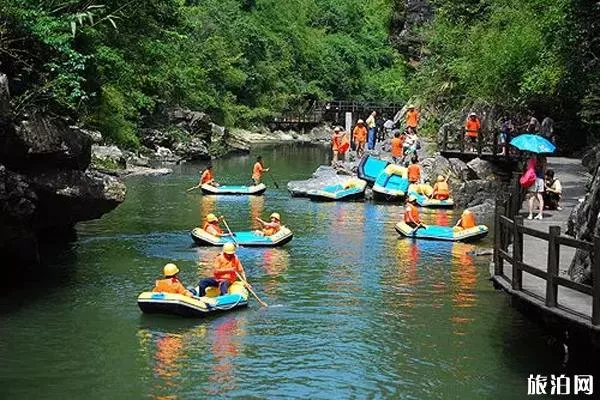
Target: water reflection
x=257 y=206
x=464 y=280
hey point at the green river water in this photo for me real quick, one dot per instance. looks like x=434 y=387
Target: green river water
x=356 y=312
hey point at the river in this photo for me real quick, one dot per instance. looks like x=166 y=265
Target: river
x=355 y=311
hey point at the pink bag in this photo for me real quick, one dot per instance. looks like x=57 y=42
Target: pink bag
x=528 y=177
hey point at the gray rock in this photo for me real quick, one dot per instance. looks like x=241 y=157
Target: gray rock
x=95 y=136
x=154 y=138
x=164 y=153
x=195 y=122
x=323 y=176
x=433 y=166
x=479 y=191
x=481 y=168
x=195 y=149
x=43 y=142
x=109 y=153
x=590 y=158
x=217 y=133
x=486 y=208
x=460 y=170
x=138 y=161
x=144 y=171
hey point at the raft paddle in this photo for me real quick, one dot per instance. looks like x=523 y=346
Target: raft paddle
x=193 y=187
x=262 y=303
x=274 y=182
x=231 y=233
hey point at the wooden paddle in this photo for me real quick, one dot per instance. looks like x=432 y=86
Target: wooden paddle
x=193 y=187
x=274 y=182
x=262 y=303
x=231 y=233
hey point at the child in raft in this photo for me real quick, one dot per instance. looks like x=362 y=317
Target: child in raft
x=211 y=225
x=171 y=282
x=466 y=221
x=270 y=228
x=441 y=191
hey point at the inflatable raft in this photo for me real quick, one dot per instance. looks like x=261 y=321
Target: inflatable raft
x=177 y=304
x=243 y=238
x=448 y=233
x=391 y=184
x=351 y=190
x=370 y=167
x=422 y=193
x=234 y=189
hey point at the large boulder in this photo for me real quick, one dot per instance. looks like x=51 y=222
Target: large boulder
x=155 y=138
x=194 y=149
x=43 y=142
x=461 y=170
x=111 y=156
x=195 y=122
x=479 y=191
x=591 y=158
x=433 y=166
x=481 y=168
x=323 y=176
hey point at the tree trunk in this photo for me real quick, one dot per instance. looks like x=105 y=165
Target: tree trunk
x=4 y=96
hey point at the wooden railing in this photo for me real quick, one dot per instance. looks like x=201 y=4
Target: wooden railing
x=509 y=228
x=485 y=144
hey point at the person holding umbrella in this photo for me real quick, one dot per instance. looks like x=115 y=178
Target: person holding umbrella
x=536 y=191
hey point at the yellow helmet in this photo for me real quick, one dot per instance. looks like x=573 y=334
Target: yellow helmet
x=440 y=178
x=170 y=269
x=229 y=248
x=276 y=216
x=211 y=217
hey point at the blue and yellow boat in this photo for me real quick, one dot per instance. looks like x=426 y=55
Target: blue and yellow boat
x=350 y=190
x=447 y=233
x=422 y=193
x=234 y=189
x=370 y=167
x=391 y=184
x=243 y=238
x=178 y=304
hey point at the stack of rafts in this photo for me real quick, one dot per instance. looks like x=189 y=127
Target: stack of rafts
x=350 y=190
x=391 y=184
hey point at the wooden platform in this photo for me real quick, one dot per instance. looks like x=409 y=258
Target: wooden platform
x=549 y=295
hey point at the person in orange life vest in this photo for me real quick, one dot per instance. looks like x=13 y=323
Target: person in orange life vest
x=441 y=191
x=211 y=225
x=208 y=177
x=224 y=271
x=270 y=228
x=396 y=147
x=171 y=282
x=258 y=170
x=412 y=118
x=411 y=213
x=359 y=134
x=414 y=171
x=338 y=144
x=466 y=221
x=472 y=129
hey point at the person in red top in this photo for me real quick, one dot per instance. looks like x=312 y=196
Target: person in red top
x=208 y=177
x=472 y=129
x=396 y=147
x=171 y=282
x=412 y=117
x=270 y=228
x=258 y=170
x=359 y=134
x=211 y=225
x=339 y=144
x=414 y=171
x=224 y=271
x=411 y=213
x=441 y=191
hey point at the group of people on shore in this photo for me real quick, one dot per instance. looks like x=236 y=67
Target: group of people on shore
x=365 y=134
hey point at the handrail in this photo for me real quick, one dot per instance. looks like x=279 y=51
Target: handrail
x=511 y=228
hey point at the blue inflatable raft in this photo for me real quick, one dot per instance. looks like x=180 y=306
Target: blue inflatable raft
x=350 y=190
x=422 y=193
x=178 y=304
x=391 y=184
x=234 y=189
x=448 y=233
x=243 y=238
x=370 y=167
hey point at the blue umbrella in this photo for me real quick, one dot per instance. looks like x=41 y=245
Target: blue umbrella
x=533 y=144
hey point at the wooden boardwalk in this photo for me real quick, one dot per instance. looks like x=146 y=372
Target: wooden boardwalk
x=539 y=258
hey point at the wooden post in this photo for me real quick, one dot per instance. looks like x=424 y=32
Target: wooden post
x=552 y=269
x=479 y=144
x=517 y=273
x=596 y=282
x=461 y=141
x=498 y=236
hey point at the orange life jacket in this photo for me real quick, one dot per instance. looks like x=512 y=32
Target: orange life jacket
x=207 y=176
x=396 y=144
x=411 y=211
x=412 y=118
x=257 y=171
x=414 y=173
x=170 y=285
x=212 y=228
x=441 y=190
x=271 y=229
x=360 y=134
x=224 y=269
x=472 y=126
x=467 y=220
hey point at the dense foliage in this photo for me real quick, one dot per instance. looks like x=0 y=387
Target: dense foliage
x=118 y=62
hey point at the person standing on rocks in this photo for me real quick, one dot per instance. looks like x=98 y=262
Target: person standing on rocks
x=258 y=170
x=359 y=134
x=372 y=126
x=547 y=129
x=412 y=118
x=339 y=144
x=472 y=130
x=396 y=147
x=537 y=189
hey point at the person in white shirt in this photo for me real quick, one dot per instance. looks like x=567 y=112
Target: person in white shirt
x=553 y=192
